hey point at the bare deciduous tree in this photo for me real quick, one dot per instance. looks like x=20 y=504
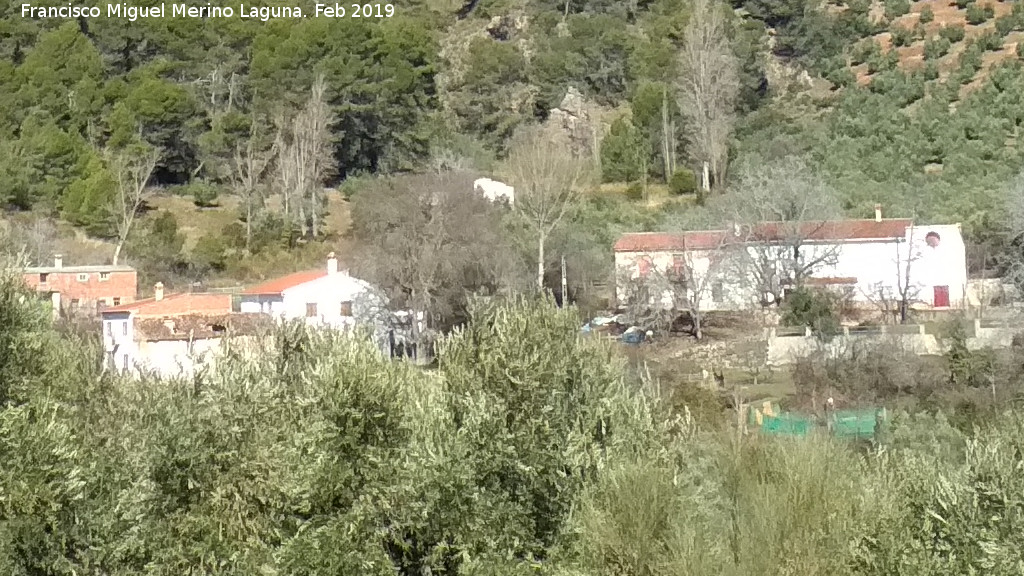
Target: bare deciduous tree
x=708 y=88
x=304 y=160
x=429 y=241
x=547 y=176
x=131 y=169
x=779 y=209
x=249 y=164
x=895 y=302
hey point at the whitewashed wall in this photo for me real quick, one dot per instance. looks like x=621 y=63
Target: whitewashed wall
x=874 y=263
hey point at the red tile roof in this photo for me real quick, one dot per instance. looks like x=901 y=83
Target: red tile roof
x=766 y=232
x=831 y=281
x=670 y=241
x=834 y=230
x=177 y=305
x=279 y=285
x=650 y=242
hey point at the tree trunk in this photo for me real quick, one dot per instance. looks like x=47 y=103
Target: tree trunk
x=565 y=286
x=698 y=330
x=540 y=262
x=117 y=251
x=248 y=223
x=666 y=135
x=315 y=201
x=303 y=224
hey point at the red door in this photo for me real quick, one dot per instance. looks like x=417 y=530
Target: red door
x=941 y=297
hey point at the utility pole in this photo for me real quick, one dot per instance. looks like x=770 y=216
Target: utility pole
x=565 y=291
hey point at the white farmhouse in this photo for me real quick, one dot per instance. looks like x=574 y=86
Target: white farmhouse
x=325 y=297
x=170 y=335
x=868 y=259
x=494 y=190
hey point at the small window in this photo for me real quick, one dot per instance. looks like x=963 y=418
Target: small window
x=83 y=277
x=110 y=329
x=346 y=308
x=117 y=301
x=43 y=277
x=124 y=328
x=717 y=292
x=310 y=309
x=678 y=263
x=125 y=362
x=104 y=276
x=74 y=303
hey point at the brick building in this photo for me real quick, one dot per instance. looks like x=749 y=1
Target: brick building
x=82 y=289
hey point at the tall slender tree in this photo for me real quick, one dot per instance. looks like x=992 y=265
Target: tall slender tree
x=547 y=176
x=708 y=87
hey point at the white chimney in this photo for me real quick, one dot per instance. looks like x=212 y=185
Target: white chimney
x=158 y=291
x=878 y=212
x=332 y=264
x=58 y=261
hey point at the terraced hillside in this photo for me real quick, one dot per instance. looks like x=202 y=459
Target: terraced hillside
x=941 y=39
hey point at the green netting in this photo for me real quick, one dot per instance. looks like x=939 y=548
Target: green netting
x=844 y=424
x=856 y=423
x=786 y=425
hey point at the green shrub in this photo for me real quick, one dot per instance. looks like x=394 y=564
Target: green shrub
x=635 y=191
x=881 y=62
x=952 y=33
x=976 y=14
x=682 y=182
x=1005 y=24
x=896 y=8
x=815 y=309
x=842 y=77
x=210 y=253
x=927 y=15
x=1020 y=50
x=935 y=48
x=902 y=36
x=621 y=152
x=990 y=41
x=204 y=194
x=961 y=4
x=930 y=71
x=864 y=51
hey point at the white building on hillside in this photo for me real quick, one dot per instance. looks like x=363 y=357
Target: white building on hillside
x=171 y=335
x=326 y=297
x=869 y=260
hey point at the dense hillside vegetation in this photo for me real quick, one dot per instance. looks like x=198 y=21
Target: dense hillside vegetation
x=916 y=106
x=528 y=451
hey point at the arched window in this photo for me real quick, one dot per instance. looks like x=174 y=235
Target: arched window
x=932 y=239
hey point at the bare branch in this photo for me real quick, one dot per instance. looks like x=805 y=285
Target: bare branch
x=132 y=169
x=547 y=178
x=708 y=86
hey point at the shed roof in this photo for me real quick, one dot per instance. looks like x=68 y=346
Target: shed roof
x=198 y=326
x=176 y=305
